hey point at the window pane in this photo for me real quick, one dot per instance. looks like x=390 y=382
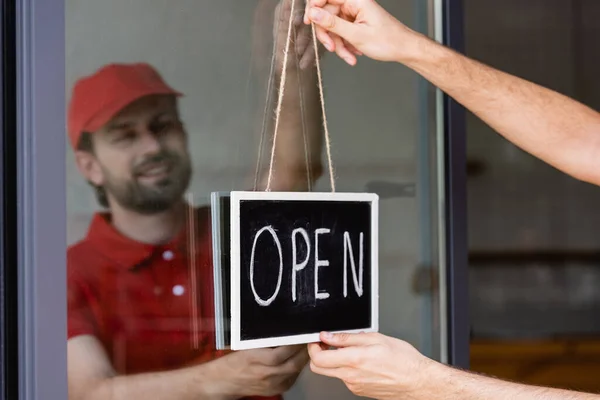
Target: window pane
x=172 y=101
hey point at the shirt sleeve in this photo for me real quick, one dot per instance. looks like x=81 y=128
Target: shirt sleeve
x=80 y=320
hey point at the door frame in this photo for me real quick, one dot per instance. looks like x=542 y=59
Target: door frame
x=33 y=201
x=41 y=198
x=9 y=334
x=455 y=179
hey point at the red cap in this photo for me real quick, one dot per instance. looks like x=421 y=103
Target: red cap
x=99 y=97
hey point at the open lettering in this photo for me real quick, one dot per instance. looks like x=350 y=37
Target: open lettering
x=258 y=299
x=294 y=264
x=299 y=263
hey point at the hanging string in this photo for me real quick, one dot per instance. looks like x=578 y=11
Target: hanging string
x=280 y=101
x=281 y=90
x=303 y=119
x=247 y=102
x=266 y=108
x=325 y=128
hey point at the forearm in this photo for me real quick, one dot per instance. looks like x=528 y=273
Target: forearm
x=450 y=383
x=550 y=126
x=195 y=383
x=298 y=147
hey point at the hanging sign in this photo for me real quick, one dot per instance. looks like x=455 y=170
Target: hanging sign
x=299 y=264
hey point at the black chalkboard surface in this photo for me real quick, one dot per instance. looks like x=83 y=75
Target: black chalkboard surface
x=302 y=263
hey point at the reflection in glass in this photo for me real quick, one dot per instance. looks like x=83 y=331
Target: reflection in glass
x=170 y=103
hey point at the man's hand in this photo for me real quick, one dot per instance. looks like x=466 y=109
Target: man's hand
x=372 y=365
x=357 y=27
x=262 y=372
x=301 y=50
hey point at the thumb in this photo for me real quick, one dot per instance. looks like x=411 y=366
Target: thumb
x=333 y=23
x=347 y=339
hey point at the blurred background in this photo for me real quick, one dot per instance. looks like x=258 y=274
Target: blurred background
x=534 y=233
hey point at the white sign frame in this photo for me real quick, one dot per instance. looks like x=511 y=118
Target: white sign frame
x=236 y=197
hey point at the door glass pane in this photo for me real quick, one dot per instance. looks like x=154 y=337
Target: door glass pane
x=171 y=101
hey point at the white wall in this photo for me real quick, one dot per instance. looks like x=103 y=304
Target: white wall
x=203 y=48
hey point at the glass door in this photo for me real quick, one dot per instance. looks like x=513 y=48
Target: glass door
x=130 y=114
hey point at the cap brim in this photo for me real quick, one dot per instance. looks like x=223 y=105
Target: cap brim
x=111 y=110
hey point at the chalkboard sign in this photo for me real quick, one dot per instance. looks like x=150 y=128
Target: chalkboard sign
x=301 y=263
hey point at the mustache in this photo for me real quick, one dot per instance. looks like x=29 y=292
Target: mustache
x=164 y=157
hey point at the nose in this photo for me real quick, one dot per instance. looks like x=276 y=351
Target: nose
x=149 y=142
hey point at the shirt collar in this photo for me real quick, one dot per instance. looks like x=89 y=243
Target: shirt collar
x=130 y=253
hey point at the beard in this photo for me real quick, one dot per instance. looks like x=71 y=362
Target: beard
x=155 y=197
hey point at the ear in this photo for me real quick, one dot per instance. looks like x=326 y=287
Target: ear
x=89 y=167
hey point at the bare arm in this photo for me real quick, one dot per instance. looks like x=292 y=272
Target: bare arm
x=91 y=377
x=261 y=372
x=297 y=158
x=450 y=383
x=550 y=126
x=377 y=366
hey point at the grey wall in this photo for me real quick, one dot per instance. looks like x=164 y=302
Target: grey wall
x=203 y=48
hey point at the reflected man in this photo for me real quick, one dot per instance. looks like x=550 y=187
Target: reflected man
x=140 y=306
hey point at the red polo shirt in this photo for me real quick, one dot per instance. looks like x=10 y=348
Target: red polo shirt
x=151 y=306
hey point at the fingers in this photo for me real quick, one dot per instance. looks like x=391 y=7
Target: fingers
x=322 y=34
x=320 y=4
x=317 y=354
x=308 y=56
x=298 y=20
x=339 y=358
x=297 y=362
x=302 y=37
x=315 y=351
x=342 y=51
x=351 y=48
x=305 y=48
x=328 y=22
x=349 y=339
x=307 y=7
x=329 y=372
x=280 y=355
x=324 y=37
x=334 y=42
x=283 y=10
x=303 y=40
